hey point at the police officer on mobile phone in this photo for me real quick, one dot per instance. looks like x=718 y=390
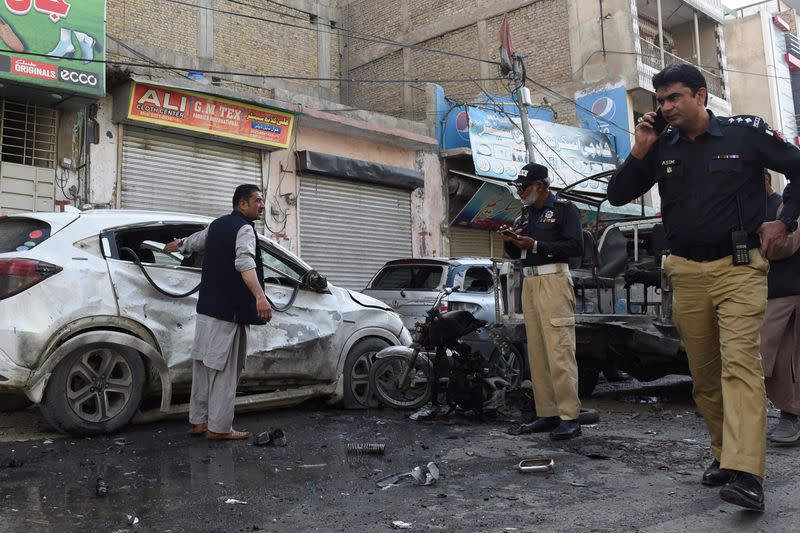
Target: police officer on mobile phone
x=545 y=236
x=709 y=172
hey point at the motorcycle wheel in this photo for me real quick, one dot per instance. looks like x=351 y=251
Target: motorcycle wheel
x=384 y=376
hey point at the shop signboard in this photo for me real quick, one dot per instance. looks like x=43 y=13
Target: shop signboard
x=493 y=206
x=59 y=44
x=606 y=110
x=571 y=154
x=187 y=110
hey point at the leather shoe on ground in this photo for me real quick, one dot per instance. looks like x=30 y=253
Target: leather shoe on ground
x=714 y=476
x=744 y=490
x=540 y=425
x=567 y=429
x=233 y=435
x=787 y=430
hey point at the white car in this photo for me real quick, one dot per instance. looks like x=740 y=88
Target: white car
x=87 y=336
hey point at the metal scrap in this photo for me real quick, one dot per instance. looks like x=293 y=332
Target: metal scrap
x=270 y=437
x=422 y=475
x=366 y=448
x=399 y=524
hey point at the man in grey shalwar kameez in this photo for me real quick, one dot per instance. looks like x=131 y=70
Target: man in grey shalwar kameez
x=231 y=298
x=780 y=339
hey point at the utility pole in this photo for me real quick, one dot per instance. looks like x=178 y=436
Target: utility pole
x=511 y=65
x=523 y=98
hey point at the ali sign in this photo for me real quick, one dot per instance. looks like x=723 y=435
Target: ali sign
x=59 y=44
x=188 y=110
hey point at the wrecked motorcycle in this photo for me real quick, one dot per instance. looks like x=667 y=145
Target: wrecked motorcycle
x=437 y=362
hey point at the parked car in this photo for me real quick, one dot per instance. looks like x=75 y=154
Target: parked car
x=411 y=286
x=84 y=334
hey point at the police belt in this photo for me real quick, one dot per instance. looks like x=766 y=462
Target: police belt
x=711 y=253
x=552 y=268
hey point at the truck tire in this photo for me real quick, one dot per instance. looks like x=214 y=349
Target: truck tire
x=95 y=390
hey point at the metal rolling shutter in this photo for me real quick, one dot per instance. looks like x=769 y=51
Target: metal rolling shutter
x=348 y=230
x=466 y=242
x=168 y=172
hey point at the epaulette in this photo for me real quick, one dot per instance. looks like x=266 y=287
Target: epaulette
x=562 y=201
x=756 y=123
x=750 y=121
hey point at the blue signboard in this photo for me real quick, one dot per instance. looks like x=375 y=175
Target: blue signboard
x=609 y=115
x=452 y=125
x=571 y=154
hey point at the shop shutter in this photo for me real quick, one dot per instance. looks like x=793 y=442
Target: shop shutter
x=348 y=230
x=169 y=172
x=465 y=242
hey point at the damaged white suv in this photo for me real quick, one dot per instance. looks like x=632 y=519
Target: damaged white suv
x=86 y=335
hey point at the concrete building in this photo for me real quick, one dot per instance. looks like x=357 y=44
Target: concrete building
x=589 y=62
x=764 y=61
x=196 y=99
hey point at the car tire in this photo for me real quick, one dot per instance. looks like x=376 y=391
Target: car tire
x=587 y=380
x=95 y=390
x=357 y=392
x=513 y=368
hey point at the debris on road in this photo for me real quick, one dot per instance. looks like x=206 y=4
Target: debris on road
x=368 y=448
x=576 y=484
x=101 y=488
x=132 y=520
x=423 y=476
x=399 y=524
x=234 y=501
x=430 y=411
x=426 y=478
x=272 y=436
x=539 y=465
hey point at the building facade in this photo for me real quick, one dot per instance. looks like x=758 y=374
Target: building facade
x=201 y=98
x=590 y=63
x=764 y=59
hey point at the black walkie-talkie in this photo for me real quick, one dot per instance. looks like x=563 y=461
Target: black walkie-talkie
x=741 y=250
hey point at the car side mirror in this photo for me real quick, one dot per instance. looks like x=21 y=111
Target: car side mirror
x=315 y=281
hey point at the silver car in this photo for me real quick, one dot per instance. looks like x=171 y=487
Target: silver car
x=86 y=335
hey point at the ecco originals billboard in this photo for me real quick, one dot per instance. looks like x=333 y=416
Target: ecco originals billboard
x=58 y=44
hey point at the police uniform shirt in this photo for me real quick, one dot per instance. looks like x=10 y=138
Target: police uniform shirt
x=699 y=181
x=556 y=228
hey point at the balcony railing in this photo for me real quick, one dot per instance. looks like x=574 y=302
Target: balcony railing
x=651 y=56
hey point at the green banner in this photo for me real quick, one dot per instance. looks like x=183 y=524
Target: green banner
x=54 y=43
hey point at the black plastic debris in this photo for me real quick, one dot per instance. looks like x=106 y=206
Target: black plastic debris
x=271 y=437
x=366 y=448
x=101 y=488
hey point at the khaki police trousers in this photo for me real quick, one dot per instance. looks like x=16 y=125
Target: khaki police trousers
x=548 y=305
x=718 y=310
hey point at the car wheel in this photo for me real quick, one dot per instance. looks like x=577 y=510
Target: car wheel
x=95 y=390
x=587 y=380
x=357 y=392
x=510 y=366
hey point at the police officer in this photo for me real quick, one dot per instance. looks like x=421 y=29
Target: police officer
x=545 y=236
x=709 y=172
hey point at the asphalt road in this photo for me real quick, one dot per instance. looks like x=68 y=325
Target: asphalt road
x=638 y=469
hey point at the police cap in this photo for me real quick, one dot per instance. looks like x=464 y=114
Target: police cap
x=531 y=173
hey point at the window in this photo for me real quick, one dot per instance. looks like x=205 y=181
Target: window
x=477 y=279
x=279 y=270
x=148 y=244
x=22 y=234
x=421 y=277
x=29 y=134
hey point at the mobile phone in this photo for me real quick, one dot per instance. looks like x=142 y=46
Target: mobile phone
x=508 y=232
x=660 y=123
